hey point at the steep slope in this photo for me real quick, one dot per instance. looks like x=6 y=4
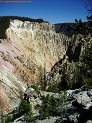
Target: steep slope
x=61 y=74
x=10 y=84
x=41 y=45
x=30 y=48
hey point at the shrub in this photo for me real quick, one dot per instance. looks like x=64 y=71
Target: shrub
x=8 y=120
x=50 y=105
x=25 y=108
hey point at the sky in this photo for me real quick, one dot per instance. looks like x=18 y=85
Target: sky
x=53 y=11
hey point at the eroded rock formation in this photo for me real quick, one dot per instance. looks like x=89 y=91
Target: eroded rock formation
x=76 y=107
x=28 y=50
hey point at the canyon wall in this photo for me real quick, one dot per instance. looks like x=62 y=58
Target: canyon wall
x=30 y=50
x=41 y=46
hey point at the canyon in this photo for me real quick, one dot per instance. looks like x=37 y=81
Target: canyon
x=37 y=59
x=30 y=50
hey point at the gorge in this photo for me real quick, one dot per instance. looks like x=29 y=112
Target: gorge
x=33 y=54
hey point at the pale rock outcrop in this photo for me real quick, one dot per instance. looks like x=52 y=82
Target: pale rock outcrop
x=76 y=108
x=10 y=86
x=41 y=45
x=30 y=48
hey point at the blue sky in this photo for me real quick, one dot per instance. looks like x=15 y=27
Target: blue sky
x=54 y=11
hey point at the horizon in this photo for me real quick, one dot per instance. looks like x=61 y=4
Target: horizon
x=49 y=10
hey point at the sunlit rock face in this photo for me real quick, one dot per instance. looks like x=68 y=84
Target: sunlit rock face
x=11 y=85
x=40 y=44
x=30 y=50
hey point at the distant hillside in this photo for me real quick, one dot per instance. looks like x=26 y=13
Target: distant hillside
x=5 y=20
x=64 y=28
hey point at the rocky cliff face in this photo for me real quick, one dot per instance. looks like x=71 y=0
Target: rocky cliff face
x=10 y=84
x=30 y=48
x=63 y=70
x=41 y=45
x=76 y=106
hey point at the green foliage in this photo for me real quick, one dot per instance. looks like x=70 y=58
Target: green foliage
x=3 y=26
x=8 y=120
x=86 y=57
x=83 y=72
x=86 y=64
x=76 y=81
x=54 y=87
x=43 y=82
x=35 y=87
x=50 y=105
x=64 y=78
x=25 y=108
x=80 y=27
x=62 y=83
